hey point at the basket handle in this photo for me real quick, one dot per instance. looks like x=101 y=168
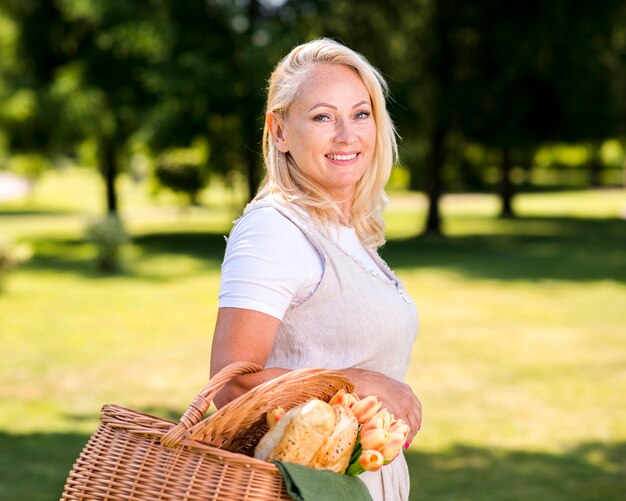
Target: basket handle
x=200 y=404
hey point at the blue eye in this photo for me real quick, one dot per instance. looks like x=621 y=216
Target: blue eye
x=361 y=115
x=322 y=117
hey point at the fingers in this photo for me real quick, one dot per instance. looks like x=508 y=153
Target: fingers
x=406 y=406
x=415 y=423
x=410 y=412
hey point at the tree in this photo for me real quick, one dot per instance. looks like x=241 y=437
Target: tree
x=212 y=84
x=519 y=75
x=181 y=170
x=84 y=63
x=118 y=42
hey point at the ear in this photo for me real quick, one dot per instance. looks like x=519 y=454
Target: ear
x=276 y=125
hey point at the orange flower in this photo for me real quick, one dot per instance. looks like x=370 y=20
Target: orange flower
x=374 y=439
x=399 y=426
x=272 y=417
x=347 y=399
x=381 y=436
x=371 y=460
x=392 y=445
x=366 y=408
x=381 y=420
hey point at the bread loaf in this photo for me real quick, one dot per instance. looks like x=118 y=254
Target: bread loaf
x=314 y=434
x=335 y=452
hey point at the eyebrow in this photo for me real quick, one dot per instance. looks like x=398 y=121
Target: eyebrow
x=327 y=105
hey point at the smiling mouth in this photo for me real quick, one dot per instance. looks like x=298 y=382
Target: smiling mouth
x=351 y=156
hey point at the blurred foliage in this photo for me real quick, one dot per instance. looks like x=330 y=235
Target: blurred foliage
x=478 y=87
x=183 y=170
x=108 y=236
x=29 y=165
x=11 y=256
x=181 y=177
x=499 y=78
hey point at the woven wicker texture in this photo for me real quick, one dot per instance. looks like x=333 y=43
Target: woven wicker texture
x=137 y=456
x=239 y=426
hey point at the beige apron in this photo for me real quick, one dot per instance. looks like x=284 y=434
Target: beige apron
x=354 y=319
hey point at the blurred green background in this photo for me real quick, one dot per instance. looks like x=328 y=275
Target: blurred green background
x=130 y=139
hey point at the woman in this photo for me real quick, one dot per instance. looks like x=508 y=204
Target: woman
x=302 y=283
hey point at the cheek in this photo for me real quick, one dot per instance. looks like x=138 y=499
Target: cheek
x=300 y=140
x=368 y=133
x=311 y=143
x=370 y=140
x=372 y=134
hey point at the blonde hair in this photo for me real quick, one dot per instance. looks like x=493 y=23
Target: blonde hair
x=285 y=181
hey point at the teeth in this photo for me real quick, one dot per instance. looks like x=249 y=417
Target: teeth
x=342 y=157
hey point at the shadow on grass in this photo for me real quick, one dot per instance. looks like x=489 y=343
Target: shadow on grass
x=76 y=256
x=29 y=212
x=202 y=245
x=34 y=468
x=589 y=471
x=523 y=249
x=62 y=255
x=535 y=249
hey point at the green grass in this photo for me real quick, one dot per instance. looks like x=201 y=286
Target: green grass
x=520 y=360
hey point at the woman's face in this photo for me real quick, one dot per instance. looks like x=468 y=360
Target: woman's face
x=329 y=129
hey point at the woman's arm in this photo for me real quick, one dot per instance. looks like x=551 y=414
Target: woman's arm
x=242 y=334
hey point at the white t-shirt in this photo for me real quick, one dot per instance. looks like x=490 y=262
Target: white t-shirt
x=270 y=264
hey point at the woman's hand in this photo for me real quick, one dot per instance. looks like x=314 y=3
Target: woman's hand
x=397 y=397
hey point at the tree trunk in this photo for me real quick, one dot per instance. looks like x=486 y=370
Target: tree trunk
x=109 y=171
x=595 y=167
x=595 y=173
x=506 y=186
x=415 y=183
x=527 y=165
x=439 y=57
x=434 y=181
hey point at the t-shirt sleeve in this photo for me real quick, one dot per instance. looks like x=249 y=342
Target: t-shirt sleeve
x=268 y=261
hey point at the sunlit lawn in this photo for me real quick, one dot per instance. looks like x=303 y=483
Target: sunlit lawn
x=520 y=361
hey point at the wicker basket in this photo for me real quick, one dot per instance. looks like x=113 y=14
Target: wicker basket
x=136 y=456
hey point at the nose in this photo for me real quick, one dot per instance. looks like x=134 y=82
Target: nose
x=345 y=132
